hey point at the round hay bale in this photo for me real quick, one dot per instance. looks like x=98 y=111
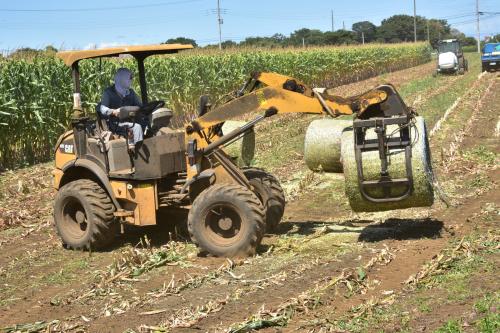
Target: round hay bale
x=322 y=144
x=423 y=193
x=242 y=151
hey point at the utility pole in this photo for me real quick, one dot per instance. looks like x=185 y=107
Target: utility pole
x=478 y=31
x=220 y=21
x=343 y=25
x=415 y=19
x=428 y=33
x=363 y=37
x=333 y=25
x=303 y=42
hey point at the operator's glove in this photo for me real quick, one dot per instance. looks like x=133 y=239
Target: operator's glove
x=116 y=112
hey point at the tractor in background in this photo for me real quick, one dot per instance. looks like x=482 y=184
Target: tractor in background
x=451 y=58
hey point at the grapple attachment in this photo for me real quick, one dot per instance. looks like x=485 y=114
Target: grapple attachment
x=385 y=128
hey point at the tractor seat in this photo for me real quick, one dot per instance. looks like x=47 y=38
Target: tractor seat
x=160 y=118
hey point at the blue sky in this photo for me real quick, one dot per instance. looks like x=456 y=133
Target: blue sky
x=79 y=24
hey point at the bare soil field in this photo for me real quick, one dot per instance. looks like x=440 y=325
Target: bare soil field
x=326 y=269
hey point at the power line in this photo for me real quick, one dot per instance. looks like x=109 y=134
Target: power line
x=92 y=9
x=473 y=20
x=451 y=17
x=86 y=27
x=250 y=17
x=461 y=17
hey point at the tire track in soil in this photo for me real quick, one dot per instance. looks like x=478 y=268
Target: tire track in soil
x=300 y=283
x=37 y=304
x=218 y=289
x=236 y=305
x=15 y=250
x=488 y=118
x=275 y=298
x=392 y=276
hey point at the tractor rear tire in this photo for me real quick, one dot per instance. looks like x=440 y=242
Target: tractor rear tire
x=227 y=220
x=83 y=216
x=269 y=191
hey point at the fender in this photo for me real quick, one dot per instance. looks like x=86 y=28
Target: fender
x=97 y=171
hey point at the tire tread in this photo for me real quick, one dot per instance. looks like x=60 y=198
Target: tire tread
x=102 y=222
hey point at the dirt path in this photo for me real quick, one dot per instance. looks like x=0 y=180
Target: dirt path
x=316 y=243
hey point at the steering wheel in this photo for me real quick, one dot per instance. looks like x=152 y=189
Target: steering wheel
x=148 y=108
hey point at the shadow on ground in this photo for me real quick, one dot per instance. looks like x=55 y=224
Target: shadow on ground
x=398 y=229
x=172 y=226
x=402 y=229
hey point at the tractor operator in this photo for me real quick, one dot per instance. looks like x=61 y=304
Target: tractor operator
x=119 y=95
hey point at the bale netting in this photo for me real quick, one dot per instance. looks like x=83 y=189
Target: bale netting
x=241 y=151
x=322 y=144
x=423 y=193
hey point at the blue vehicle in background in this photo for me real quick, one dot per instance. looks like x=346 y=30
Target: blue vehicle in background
x=491 y=57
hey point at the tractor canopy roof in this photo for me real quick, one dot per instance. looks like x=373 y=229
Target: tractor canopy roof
x=138 y=51
x=449 y=45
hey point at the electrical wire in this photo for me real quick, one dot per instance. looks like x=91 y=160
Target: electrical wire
x=483 y=18
x=93 y=9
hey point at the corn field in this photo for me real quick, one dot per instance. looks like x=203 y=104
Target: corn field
x=36 y=94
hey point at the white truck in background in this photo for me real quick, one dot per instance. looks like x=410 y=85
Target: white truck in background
x=451 y=58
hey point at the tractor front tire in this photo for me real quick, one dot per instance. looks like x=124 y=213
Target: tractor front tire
x=83 y=216
x=269 y=191
x=227 y=220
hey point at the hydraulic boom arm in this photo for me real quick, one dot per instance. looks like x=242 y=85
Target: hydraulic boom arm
x=264 y=91
x=268 y=94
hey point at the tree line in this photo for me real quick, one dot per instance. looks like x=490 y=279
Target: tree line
x=395 y=29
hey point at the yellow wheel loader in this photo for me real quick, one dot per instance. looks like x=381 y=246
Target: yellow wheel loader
x=100 y=184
